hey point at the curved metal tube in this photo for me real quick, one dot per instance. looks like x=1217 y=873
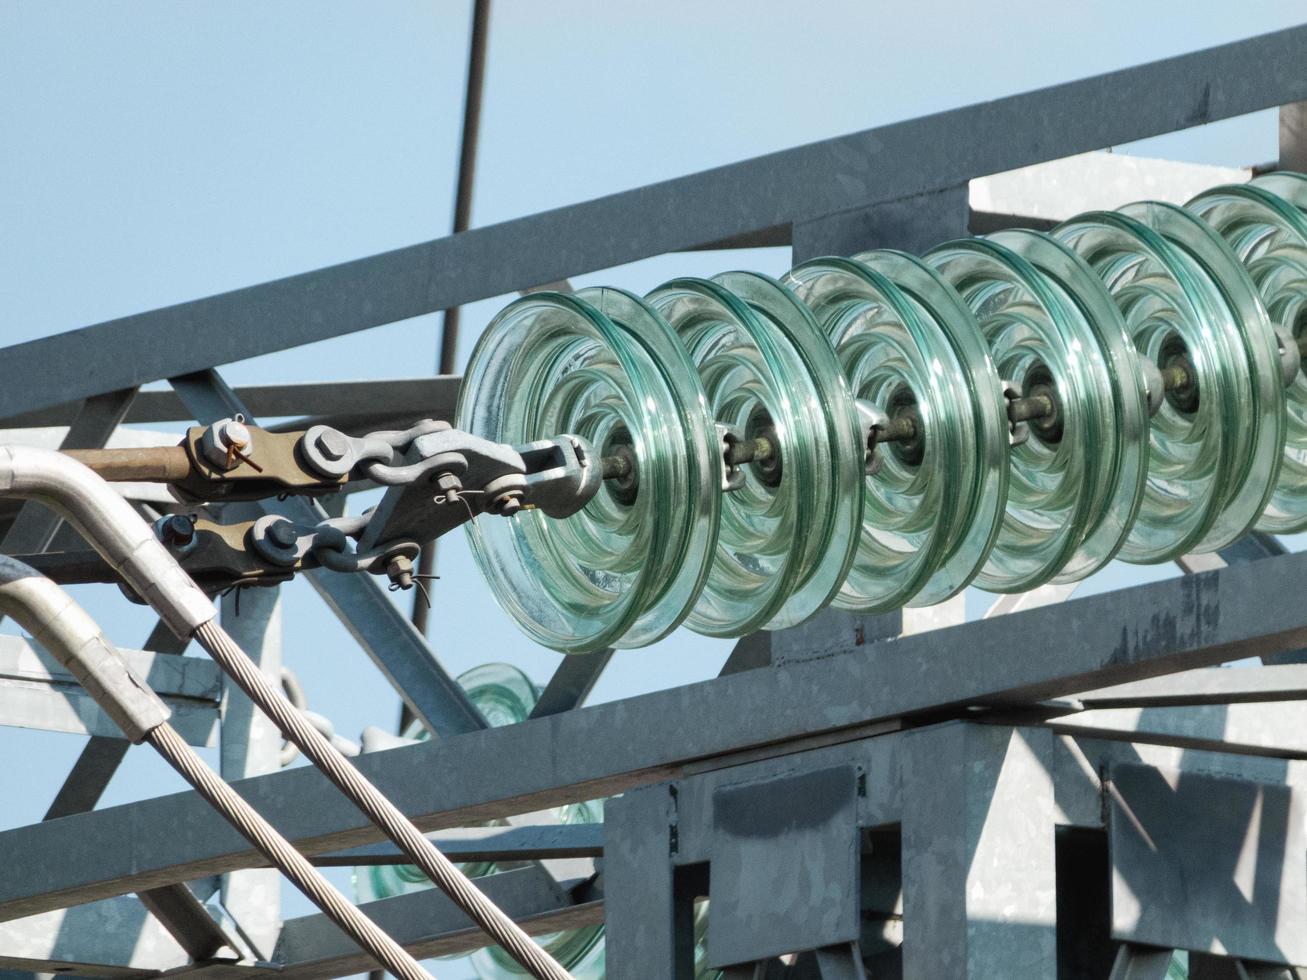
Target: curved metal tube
x=110 y=525
x=60 y=625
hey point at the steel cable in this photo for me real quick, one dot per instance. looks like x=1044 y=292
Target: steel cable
x=283 y=855
x=503 y=930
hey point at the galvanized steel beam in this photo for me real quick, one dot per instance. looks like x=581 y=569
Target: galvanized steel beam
x=37 y=692
x=887 y=163
x=1110 y=638
x=433 y=396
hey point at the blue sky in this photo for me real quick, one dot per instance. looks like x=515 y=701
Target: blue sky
x=155 y=152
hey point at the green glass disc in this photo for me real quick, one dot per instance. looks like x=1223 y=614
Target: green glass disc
x=982 y=486
x=1269 y=235
x=1038 y=339
x=896 y=357
x=1170 y=307
x=1111 y=364
x=1256 y=355
x=601 y=365
x=788 y=536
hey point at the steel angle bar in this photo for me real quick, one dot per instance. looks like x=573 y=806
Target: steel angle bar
x=428 y=924
x=96 y=418
x=431 y=396
x=1086 y=643
x=1274 y=729
x=571 y=683
x=1212 y=685
x=514 y=843
x=36 y=692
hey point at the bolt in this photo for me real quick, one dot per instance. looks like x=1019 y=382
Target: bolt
x=332 y=444
x=177 y=531
x=283 y=534
x=400 y=571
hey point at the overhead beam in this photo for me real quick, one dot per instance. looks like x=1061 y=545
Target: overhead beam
x=113 y=938
x=428 y=924
x=524 y=842
x=435 y=397
x=37 y=692
x=1274 y=729
x=886 y=163
x=420 y=921
x=1110 y=638
x=1213 y=685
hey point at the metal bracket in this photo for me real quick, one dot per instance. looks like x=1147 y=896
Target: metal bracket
x=460 y=476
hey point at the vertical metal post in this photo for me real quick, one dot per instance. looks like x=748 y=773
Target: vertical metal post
x=1293 y=137
x=641 y=934
x=979 y=861
x=251 y=746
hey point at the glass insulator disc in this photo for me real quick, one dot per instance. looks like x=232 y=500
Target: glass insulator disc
x=601 y=365
x=1109 y=360
x=787 y=536
x=1174 y=316
x=896 y=356
x=982 y=486
x=1039 y=340
x=1268 y=233
x=1255 y=351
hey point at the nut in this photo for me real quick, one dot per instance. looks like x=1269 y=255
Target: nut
x=449 y=485
x=400 y=571
x=223 y=440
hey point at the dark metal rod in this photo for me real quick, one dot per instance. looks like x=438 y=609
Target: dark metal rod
x=1032 y=407
x=759 y=449
x=467 y=159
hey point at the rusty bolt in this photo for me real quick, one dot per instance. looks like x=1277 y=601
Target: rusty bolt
x=507 y=503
